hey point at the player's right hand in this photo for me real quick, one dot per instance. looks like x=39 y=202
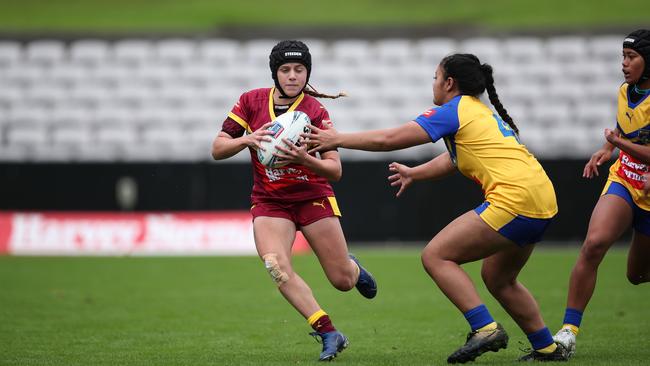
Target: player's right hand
x=401 y=178
x=597 y=159
x=255 y=139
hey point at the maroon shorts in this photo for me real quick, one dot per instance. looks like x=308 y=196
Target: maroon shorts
x=302 y=213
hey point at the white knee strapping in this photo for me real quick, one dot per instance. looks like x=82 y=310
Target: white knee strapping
x=277 y=275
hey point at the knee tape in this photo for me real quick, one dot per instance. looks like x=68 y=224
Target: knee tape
x=277 y=275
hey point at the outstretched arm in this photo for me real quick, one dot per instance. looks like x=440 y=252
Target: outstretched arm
x=438 y=167
x=406 y=135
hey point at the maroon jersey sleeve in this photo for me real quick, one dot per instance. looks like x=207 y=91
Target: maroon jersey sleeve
x=238 y=120
x=232 y=128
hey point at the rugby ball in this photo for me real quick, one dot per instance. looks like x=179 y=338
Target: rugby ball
x=288 y=126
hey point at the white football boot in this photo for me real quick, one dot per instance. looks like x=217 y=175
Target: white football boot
x=566 y=338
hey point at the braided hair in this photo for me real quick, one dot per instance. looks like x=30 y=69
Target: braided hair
x=473 y=78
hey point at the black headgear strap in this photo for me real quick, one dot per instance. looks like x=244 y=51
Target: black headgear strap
x=639 y=41
x=285 y=52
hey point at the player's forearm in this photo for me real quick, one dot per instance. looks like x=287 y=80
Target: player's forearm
x=223 y=148
x=375 y=140
x=438 y=167
x=639 y=152
x=329 y=169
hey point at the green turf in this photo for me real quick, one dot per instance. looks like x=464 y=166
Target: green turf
x=226 y=311
x=197 y=15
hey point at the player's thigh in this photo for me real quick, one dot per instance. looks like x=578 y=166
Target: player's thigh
x=274 y=235
x=503 y=267
x=611 y=217
x=638 y=258
x=466 y=239
x=327 y=240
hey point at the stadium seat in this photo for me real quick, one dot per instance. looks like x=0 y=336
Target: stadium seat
x=219 y=51
x=23 y=73
x=432 y=50
x=256 y=52
x=486 y=49
x=606 y=48
x=552 y=115
x=175 y=51
x=394 y=51
x=118 y=135
x=28 y=116
x=595 y=115
x=567 y=48
x=524 y=49
x=45 y=52
x=352 y=52
x=89 y=52
x=71 y=135
x=27 y=135
x=133 y=52
x=10 y=53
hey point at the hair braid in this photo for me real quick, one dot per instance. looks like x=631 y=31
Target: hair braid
x=494 y=97
x=314 y=93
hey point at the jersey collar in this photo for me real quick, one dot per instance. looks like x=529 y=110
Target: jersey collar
x=294 y=105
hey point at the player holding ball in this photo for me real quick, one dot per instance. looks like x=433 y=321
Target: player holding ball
x=294 y=195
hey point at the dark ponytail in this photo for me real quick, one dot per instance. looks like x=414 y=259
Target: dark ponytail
x=494 y=97
x=473 y=79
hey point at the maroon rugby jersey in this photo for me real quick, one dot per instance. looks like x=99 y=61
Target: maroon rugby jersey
x=291 y=182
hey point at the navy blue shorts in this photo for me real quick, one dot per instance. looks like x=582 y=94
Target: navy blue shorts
x=520 y=229
x=641 y=221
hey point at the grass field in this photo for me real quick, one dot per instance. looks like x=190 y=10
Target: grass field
x=226 y=311
x=201 y=15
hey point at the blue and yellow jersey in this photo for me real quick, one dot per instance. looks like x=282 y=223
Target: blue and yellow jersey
x=485 y=149
x=633 y=120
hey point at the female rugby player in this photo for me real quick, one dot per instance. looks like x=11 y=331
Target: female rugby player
x=623 y=202
x=296 y=196
x=519 y=202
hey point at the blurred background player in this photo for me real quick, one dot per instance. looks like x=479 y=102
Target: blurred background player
x=296 y=196
x=519 y=202
x=623 y=202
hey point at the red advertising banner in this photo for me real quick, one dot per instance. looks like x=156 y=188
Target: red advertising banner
x=114 y=233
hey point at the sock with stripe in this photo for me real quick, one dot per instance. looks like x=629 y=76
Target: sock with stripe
x=479 y=318
x=321 y=322
x=572 y=320
x=542 y=341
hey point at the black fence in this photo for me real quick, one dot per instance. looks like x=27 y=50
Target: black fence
x=370 y=210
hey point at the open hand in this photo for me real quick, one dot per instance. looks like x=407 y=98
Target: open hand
x=255 y=139
x=596 y=160
x=401 y=178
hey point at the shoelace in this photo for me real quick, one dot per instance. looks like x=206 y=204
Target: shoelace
x=316 y=336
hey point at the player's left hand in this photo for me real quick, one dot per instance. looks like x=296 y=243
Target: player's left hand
x=292 y=153
x=401 y=178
